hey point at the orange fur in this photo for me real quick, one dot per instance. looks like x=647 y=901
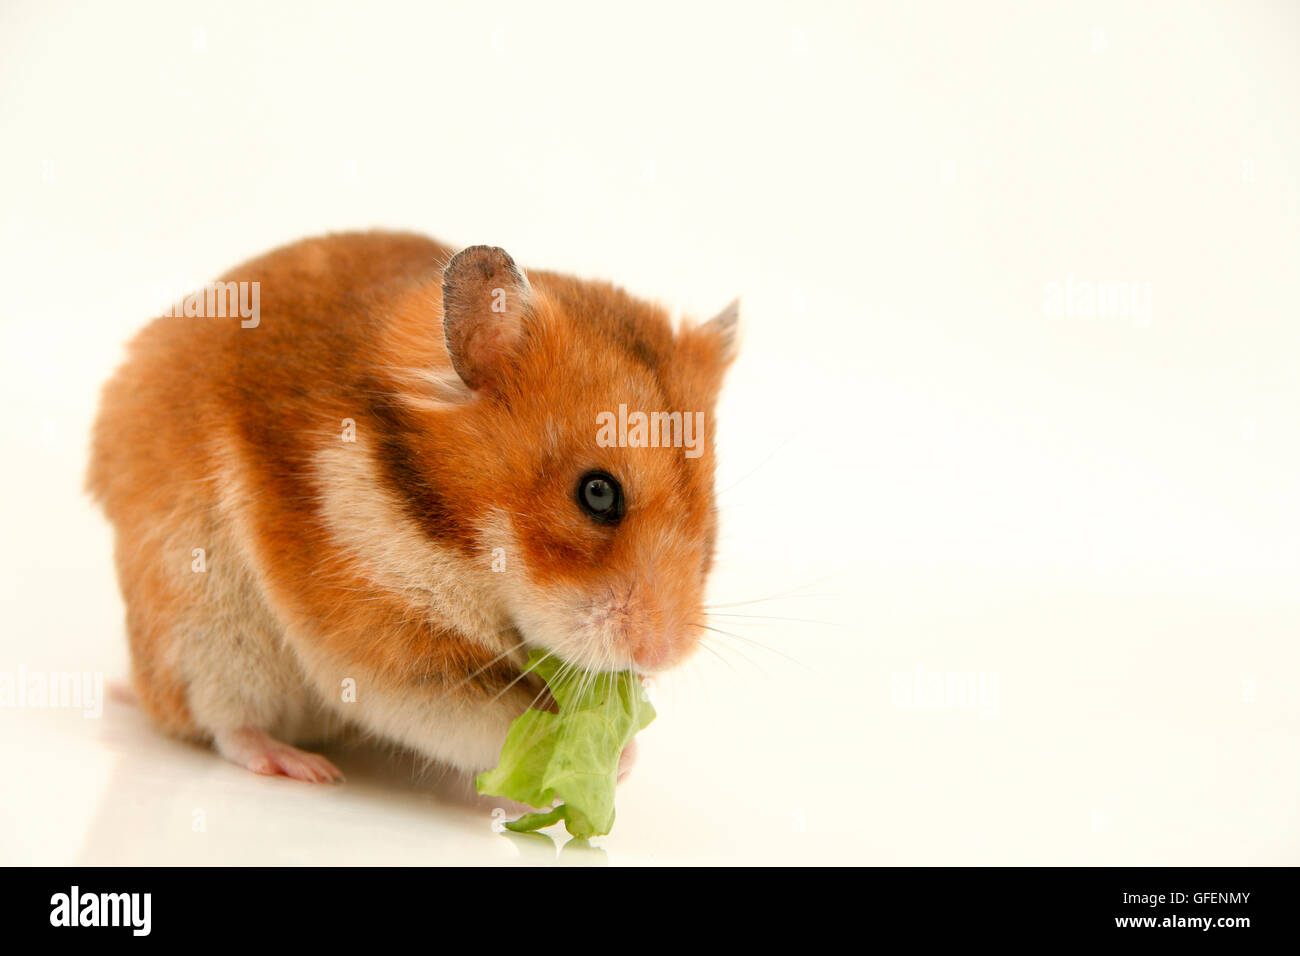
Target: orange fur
x=373 y=560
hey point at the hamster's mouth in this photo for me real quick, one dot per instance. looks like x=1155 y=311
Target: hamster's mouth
x=525 y=644
x=568 y=663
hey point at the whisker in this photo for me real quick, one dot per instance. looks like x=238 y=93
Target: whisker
x=735 y=650
x=773 y=617
x=506 y=653
x=776 y=597
x=712 y=650
x=789 y=438
x=522 y=675
x=758 y=644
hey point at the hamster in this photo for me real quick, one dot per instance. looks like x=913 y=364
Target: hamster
x=360 y=507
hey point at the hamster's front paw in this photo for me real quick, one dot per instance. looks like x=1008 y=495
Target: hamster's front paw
x=626 y=759
x=261 y=753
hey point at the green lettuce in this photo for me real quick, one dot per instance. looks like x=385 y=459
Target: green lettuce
x=571 y=755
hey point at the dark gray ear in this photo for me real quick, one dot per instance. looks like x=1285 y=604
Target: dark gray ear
x=726 y=326
x=484 y=298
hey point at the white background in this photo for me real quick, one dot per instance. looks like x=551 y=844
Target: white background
x=924 y=471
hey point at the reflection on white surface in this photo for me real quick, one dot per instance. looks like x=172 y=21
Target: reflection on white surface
x=1139 y=730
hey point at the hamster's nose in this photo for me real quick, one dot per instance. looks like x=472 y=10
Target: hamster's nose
x=652 y=650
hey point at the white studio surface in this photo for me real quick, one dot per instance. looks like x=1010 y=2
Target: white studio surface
x=1026 y=569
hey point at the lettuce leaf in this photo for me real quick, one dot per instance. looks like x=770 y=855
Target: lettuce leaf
x=572 y=755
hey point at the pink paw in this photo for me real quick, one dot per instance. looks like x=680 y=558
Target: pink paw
x=261 y=753
x=626 y=759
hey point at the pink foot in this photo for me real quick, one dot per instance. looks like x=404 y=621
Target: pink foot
x=261 y=753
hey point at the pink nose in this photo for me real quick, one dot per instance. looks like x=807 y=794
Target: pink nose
x=652 y=651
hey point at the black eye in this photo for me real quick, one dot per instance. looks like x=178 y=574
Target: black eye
x=601 y=497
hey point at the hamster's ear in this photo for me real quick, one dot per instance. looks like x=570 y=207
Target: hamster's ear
x=484 y=298
x=725 y=327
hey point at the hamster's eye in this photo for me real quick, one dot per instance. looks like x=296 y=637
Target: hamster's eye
x=601 y=497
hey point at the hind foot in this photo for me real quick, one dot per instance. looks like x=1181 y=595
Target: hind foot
x=261 y=753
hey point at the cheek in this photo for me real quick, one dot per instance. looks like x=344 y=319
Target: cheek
x=560 y=550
